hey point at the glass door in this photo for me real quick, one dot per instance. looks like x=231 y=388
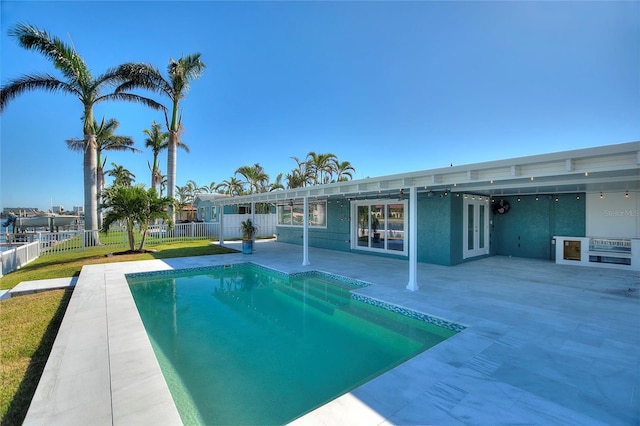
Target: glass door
x=380 y=226
x=476 y=226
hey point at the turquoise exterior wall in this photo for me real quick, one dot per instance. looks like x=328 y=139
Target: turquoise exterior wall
x=336 y=236
x=525 y=231
x=434 y=229
x=528 y=228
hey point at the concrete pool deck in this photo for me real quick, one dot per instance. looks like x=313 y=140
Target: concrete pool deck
x=544 y=344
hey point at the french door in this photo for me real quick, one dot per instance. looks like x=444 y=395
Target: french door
x=476 y=226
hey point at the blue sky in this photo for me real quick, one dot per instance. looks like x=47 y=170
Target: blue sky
x=391 y=87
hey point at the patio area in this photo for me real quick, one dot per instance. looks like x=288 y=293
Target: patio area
x=544 y=344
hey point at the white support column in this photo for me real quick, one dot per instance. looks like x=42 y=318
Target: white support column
x=253 y=220
x=305 y=233
x=221 y=224
x=253 y=212
x=413 y=239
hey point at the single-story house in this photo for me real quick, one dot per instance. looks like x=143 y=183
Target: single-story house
x=229 y=216
x=580 y=206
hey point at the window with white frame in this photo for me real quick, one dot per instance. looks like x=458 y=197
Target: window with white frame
x=292 y=214
x=379 y=225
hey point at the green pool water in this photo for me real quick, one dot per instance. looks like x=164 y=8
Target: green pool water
x=248 y=345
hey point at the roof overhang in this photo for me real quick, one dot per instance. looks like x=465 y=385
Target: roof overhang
x=606 y=168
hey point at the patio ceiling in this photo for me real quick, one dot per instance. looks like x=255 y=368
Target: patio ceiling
x=611 y=168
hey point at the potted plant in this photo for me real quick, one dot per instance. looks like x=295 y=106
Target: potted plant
x=248 y=230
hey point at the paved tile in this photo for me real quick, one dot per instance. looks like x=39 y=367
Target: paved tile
x=26 y=287
x=544 y=343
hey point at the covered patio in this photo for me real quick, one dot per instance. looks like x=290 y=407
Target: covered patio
x=544 y=344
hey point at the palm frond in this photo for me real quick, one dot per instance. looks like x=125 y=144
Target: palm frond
x=65 y=57
x=130 y=97
x=75 y=144
x=27 y=83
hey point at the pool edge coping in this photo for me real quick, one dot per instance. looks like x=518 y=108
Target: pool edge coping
x=134 y=385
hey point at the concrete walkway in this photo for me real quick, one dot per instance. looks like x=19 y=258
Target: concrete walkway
x=544 y=344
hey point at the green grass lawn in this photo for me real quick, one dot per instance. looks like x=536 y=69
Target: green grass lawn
x=30 y=323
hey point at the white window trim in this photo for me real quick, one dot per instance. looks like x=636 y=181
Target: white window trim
x=354 y=226
x=291 y=225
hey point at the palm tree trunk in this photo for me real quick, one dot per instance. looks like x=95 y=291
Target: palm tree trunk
x=171 y=171
x=90 y=190
x=100 y=189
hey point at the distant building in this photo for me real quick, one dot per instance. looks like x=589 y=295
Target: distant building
x=57 y=209
x=20 y=211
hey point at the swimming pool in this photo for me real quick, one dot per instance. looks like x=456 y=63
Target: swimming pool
x=244 y=344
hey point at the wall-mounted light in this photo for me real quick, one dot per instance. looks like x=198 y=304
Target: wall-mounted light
x=537 y=198
x=532 y=178
x=401 y=195
x=518 y=198
x=626 y=194
x=601 y=196
x=556 y=198
x=577 y=196
x=586 y=173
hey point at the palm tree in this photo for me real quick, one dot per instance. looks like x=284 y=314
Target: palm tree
x=255 y=177
x=277 y=185
x=322 y=166
x=212 y=188
x=344 y=170
x=77 y=81
x=301 y=176
x=105 y=141
x=183 y=196
x=134 y=204
x=232 y=186
x=121 y=176
x=181 y=72
x=162 y=182
x=157 y=140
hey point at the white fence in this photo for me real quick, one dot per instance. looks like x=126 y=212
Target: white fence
x=19 y=256
x=48 y=243
x=266 y=224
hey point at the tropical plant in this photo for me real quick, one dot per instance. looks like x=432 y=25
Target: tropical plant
x=134 y=205
x=300 y=176
x=163 y=183
x=344 y=170
x=157 y=140
x=255 y=177
x=232 y=186
x=105 y=141
x=277 y=185
x=322 y=166
x=180 y=72
x=183 y=196
x=79 y=82
x=248 y=229
x=212 y=188
x=121 y=175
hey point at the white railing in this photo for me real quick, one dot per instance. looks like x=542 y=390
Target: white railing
x=19 y=256
x=48 y=243
x=183 y=232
